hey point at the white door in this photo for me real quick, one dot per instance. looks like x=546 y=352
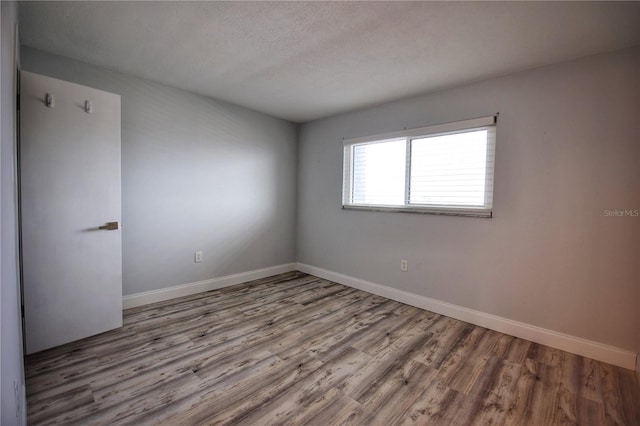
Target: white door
x=70 y=188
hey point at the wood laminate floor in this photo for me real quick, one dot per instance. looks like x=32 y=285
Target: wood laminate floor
x=296 y=349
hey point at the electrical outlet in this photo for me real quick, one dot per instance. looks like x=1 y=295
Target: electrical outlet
x=404 y=265
x=197 y=256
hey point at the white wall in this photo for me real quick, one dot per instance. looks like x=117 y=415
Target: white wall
x=11 y=368
x=568 y=147
x=197 y=174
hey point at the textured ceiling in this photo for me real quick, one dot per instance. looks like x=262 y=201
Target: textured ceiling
x=305 y=60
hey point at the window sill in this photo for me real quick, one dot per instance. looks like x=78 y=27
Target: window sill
x=487 y=214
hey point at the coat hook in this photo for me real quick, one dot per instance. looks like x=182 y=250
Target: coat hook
x=48 y=100
x=88 y=108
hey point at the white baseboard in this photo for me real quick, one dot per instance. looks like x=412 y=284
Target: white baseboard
x=139 y=299
x=565 y=342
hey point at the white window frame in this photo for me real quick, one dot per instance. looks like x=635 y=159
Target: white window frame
x=489 y=123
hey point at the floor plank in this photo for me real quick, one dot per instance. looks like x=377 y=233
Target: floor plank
x=296 y=349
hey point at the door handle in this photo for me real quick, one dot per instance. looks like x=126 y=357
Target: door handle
x=109 y=226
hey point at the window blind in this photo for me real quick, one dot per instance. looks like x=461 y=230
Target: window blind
x=446 y=169
x=449 y=170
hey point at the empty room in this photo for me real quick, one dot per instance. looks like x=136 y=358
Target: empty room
x=320 y=213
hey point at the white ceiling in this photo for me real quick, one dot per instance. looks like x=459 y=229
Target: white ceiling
x=306 y=60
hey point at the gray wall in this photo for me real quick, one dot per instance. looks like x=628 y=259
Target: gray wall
x=11 y=368
x=567 y=150
x=568 y=147
x=197 y=174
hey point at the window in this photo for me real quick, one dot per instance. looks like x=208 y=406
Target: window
x=445 y=169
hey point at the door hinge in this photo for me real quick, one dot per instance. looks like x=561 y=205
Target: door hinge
x=18 y=102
